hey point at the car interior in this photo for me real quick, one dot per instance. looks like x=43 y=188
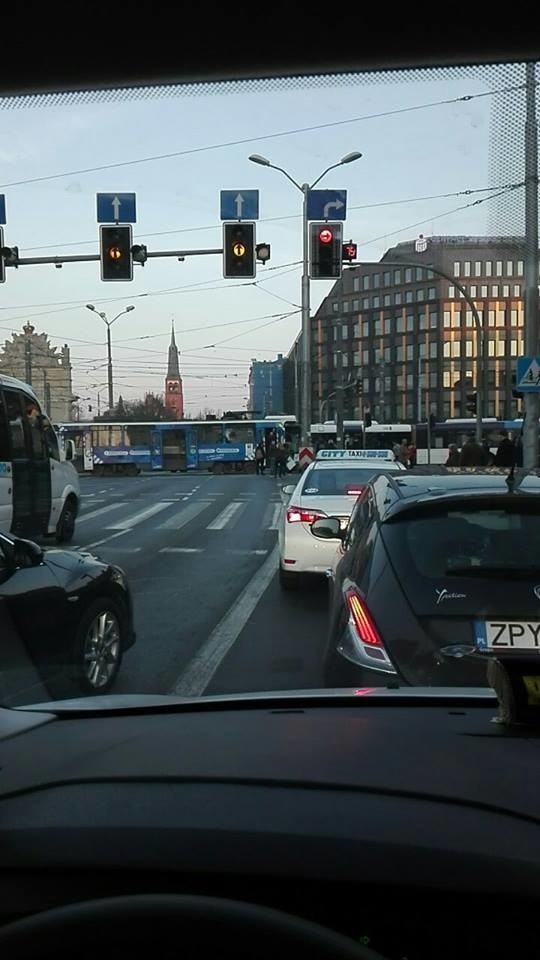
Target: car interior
x=358 y=823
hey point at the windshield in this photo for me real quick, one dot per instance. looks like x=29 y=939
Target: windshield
x=252 y=273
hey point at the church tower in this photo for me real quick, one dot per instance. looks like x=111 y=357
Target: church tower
x=174 y=397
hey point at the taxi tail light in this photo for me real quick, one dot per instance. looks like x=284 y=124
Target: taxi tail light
x=362 y=619
x=355 y=491
x=302 y=515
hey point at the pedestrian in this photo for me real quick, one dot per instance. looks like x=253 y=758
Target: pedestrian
x=472 y=454
x=506 y=452
x=279 y=460
x=396 y=450
x=259 y=460
x=453 y=455
x=403 y=455
x=411 y=455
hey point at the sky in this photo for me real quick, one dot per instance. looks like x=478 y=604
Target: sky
x=415 y=147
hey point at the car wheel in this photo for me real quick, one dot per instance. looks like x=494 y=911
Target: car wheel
x=98 y=646
x=65 y=527
x=287 y=579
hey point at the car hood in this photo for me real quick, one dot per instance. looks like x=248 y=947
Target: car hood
x=71 y=560
x=121 y=702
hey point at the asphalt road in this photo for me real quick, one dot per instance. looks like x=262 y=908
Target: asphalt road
x=200 y=553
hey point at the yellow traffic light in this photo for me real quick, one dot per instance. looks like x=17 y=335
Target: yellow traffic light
x=239 y=249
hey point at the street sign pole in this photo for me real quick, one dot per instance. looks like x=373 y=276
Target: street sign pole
x=530 y=425
x=305 y=406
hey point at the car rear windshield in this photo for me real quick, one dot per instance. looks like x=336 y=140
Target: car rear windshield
x=324 y=482
x=467 y=541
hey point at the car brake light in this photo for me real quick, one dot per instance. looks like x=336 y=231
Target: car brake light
x=302 y=515
x=355 y=491
x=363 y=622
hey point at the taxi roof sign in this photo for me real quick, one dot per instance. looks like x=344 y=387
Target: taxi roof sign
x=386 y=455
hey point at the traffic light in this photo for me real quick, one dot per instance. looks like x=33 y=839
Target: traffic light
x=139 y=253
x=8 y=255
x=325 y=250
x=263 y=252
x=349 y=252
x=472 y=399
x=115 y=252
x=239 y=250
x=2 y=264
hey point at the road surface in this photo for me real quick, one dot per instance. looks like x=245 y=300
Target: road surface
x=200 y=553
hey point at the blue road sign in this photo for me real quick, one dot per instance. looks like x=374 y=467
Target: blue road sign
x=327 y=205
x=2 y=208
x=116 y=208
x=528 y=375
x=239 y=204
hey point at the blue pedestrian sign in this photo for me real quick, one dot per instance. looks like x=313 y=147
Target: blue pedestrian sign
x=239 y=204
x=528 y=375
x=2 y=208
x=116 y=208
x=327 y=205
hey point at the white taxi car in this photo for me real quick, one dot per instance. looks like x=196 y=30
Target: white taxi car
x=330 y=486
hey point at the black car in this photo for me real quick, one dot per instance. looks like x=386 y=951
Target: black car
x=65 y=621
x=435 y=571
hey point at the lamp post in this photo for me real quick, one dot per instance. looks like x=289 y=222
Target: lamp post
x=109 y=323
x=304 y=188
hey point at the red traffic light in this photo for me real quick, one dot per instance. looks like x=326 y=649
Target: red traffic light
x=349 y=251
x=326 y=235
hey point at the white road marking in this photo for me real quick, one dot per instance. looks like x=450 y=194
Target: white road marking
x=276 y=517
x=98 y=543
x=85 y=495
x=194 y=680
x=137 y=518
x=246 y=553
x=99 y=512
x=124 y=549
x=226 y=515
x=181 y=550
x=185 y=516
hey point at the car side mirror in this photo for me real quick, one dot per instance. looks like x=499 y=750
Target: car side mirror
x=288 y=489
x=70 y=450
x=327 y=528
x=26 y=553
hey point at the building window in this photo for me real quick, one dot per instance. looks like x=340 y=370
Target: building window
x=356 y=284
x=501 y=318
x=500 y=348
x=376 y=280
x=506 y=290
x=365 y=328
x=356 y=331
x=422 y=350
x=410 y=381
x=520 y=268
x=345 y=332
x=420 y=294
x=433 y=345
x=489 y=268
x=478 y=268
x=451 y=293
x=334 y=334
x=365 y=283
x=410 y=410
x=517 y=290
x=387 y=278
x=446 y=318
x=376 y=301
x=472 y=291
x=378 y=328
x=397 y=276
x=446 y=379
x=408 y=296
x=400 y=325
x=422 y=321
x=388 y=356
x=335 y=308
x=446 y=348
x=468 y=348
x=410 y=351
x=509 y=268
x=388 y=324
x=498 y=268
x=408 y=275
x=491 y=318
x=419 y=273
x=365 y=357
x=457 y=268
x=467 y=268
x=397 y=298
x=495 y=290
x=484 y=290
x=457 y=318
x=400 y=354
x=432 y=293
x=365 y=303
x=433 y=319
x=513 y=348
x=345 y=306
x=387 y=300
x=514 y=318
x=456 y=348
x=365 y=385
x=410 y=321
x=345 y=360
x=468 y=318
x=433 y=380
x=491 y=348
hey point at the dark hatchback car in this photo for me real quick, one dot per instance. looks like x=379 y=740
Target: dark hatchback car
x=66 y=619
x=434 y=572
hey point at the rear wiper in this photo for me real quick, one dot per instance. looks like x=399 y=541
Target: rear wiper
x=486 y=570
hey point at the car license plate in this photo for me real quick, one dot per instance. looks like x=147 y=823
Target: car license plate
x=499 y=635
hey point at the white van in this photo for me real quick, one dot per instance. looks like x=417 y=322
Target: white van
x=39 y=486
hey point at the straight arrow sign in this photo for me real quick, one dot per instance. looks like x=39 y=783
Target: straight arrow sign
x=116 y=204
x=239 y=201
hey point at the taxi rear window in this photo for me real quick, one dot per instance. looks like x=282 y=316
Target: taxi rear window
x=341 y=482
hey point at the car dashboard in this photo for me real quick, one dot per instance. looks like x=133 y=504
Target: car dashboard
x=408 y=824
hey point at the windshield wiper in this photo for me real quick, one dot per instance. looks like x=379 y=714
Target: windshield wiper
x=489 y=570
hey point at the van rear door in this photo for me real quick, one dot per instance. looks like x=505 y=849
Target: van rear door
x=6 y=477
x=31 y=488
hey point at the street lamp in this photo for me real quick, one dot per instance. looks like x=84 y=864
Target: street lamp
x=109 y=323
x=305 y=406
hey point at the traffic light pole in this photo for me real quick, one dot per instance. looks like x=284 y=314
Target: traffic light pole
x=530 y=421
x=305 y=401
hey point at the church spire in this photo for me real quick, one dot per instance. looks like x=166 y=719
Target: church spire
x=173 y=369
x=174 y=394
